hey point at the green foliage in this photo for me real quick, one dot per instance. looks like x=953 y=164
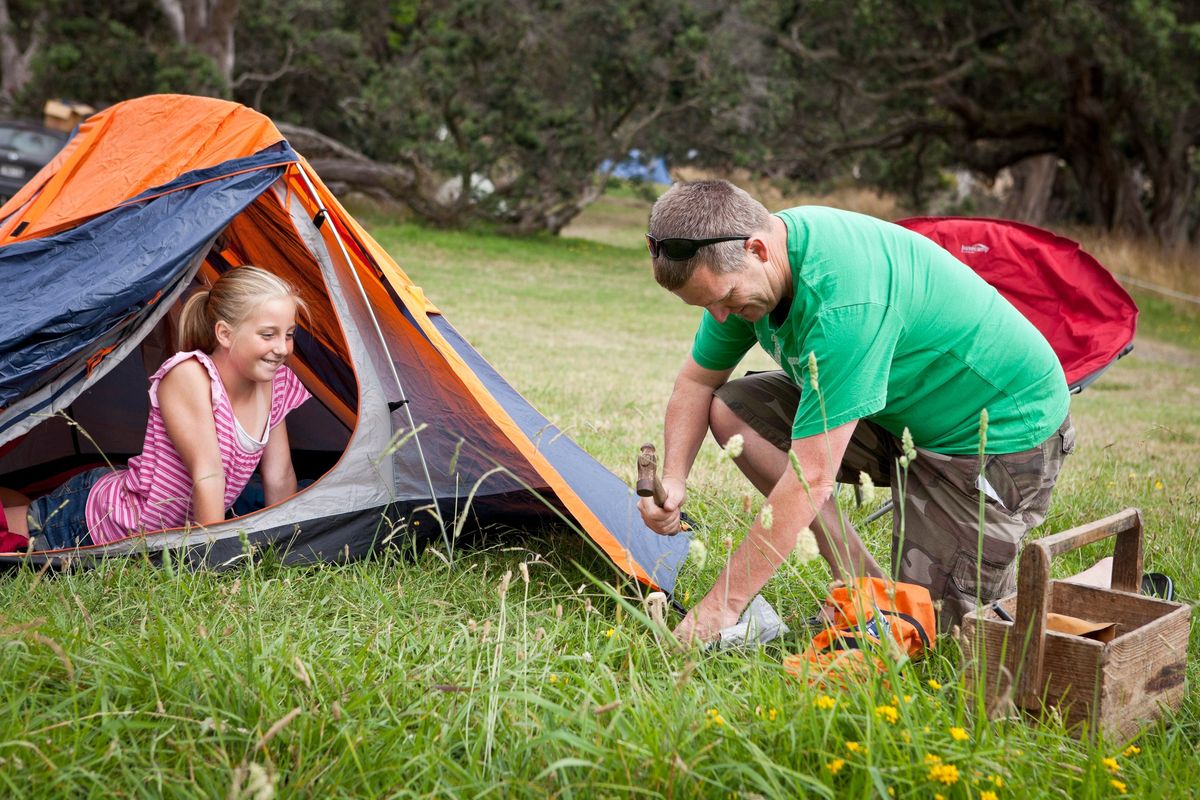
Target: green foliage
x=1110 y=88
x=101 y=56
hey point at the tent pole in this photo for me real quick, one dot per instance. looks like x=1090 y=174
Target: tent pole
x=437 y=512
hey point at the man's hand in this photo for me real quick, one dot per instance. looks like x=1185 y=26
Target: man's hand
x=705 y=622
x=664 y=519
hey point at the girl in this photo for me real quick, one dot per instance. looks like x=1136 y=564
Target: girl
x=217 y=412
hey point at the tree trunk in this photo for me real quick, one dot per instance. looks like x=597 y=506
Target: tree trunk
x=15 y=62
x=207 y=25
x=1110 y=192
x=1033 y=185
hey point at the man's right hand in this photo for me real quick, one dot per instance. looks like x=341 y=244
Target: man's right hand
x=664 y=519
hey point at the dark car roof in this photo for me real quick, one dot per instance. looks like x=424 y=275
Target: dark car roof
x=32 y=142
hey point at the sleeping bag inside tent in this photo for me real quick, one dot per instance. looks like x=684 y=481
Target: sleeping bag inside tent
x=410 y=432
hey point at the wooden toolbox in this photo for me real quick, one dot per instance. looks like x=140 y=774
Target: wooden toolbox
x=1114 y=687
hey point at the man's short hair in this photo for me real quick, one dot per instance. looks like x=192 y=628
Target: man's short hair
x=704 y=210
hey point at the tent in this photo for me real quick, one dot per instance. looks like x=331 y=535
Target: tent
x=411 y=434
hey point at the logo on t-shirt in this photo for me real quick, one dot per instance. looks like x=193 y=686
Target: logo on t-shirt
x=978 y=247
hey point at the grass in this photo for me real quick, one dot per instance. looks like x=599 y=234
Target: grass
x=416 y=678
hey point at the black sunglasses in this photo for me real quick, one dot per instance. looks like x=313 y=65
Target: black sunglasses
x=683 y=249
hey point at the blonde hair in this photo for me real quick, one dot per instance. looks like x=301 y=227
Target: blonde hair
x=704 y=210
x=232 y=299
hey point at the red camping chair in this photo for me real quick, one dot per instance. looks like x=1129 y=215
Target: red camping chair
x=1085 y=315
x=1077 y=305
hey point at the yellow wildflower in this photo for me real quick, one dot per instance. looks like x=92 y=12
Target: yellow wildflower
x=988 y=794
x=714 y=717
x=1158 y=485
x=609 y=633
x=1118 y=785
x=836 y=765
x=930 y=758
x=1132 y=750
x=996 y=780
x=1112 y=764
x=553 y=677
x=855 y=747
x=944 y=773
x=887 y=713
x=772 y=714
x=891 y=791
x=908 y=698
x=934 y=684
x=959 y=734
x=906 y=736
x=825 y=702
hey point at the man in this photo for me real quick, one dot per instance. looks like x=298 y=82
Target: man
x=876 y=330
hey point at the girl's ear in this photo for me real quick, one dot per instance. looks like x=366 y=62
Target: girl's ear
x=224 y=333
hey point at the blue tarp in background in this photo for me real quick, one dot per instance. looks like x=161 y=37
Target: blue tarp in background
x=635 y=166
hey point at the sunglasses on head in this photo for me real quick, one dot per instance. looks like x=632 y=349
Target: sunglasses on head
x=683 y=249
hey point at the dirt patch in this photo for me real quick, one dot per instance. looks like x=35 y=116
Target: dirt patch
x=1154 y=351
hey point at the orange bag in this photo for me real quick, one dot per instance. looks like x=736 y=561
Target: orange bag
x=872 y=616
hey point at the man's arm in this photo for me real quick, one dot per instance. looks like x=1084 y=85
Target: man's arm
x=684 y=431
x=793 y=508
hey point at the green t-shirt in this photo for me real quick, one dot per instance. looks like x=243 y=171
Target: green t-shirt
x=904 y=334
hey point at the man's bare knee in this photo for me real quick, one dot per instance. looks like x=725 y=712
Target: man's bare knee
x=722 y=421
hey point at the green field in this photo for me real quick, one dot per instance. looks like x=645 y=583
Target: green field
x=431 y=678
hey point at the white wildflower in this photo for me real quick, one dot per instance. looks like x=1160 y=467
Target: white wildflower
x=697 y=552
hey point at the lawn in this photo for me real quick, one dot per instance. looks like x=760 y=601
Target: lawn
x=514 y=671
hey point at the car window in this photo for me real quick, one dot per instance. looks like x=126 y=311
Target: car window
x=30 y=144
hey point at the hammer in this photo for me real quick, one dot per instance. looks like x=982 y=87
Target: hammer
x=648 y=484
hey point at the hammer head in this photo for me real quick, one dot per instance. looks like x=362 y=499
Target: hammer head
x=647 y=465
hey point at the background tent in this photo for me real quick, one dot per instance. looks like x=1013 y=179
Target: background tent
x=412 y=434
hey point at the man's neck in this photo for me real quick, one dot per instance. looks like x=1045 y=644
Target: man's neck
x=777 y=258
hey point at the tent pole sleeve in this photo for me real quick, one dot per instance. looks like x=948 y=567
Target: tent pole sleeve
x=323 y=213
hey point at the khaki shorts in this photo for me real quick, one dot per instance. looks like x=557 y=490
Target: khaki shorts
x=936 y=542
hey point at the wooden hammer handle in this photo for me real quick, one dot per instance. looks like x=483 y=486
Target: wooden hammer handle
x=648 y=484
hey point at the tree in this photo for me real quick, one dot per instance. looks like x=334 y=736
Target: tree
x=208 y=26
x=517 y=103
x=1111 y=88
x=19 y=47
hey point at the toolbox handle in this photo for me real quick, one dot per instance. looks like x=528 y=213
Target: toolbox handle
x=1034 y=590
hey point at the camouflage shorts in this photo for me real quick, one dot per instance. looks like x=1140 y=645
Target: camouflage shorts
x=935 y=543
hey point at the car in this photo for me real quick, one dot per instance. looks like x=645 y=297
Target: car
x=25 y=147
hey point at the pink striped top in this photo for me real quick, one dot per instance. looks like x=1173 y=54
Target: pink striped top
x=155 y=491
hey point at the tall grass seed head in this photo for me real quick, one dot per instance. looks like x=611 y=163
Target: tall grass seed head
x=768 y=516
x=697 y=552
x=806 y=546
x=812 y=371
x=867 y=486
x=734 y=446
